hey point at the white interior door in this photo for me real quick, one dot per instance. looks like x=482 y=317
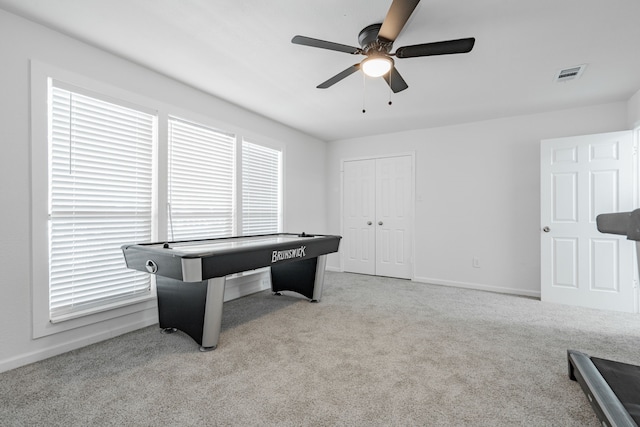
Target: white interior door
x=582 y=177
x=359 y=207
x=377 y=216
x=393 y=216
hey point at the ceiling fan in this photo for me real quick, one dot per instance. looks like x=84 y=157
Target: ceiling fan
x=376 y=42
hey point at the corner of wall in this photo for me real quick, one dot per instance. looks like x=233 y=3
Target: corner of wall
x=633 y=111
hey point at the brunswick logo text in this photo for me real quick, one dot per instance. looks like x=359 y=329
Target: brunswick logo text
x=288 y=254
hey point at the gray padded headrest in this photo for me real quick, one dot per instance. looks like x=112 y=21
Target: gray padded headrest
x=624 y=223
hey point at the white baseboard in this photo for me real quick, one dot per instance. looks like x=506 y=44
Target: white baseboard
x=478 y=286
x=149 y=318
x=236 y=287
x=246 y=284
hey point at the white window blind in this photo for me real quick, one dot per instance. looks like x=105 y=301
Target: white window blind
x=261 y=197
x=100 y=197
x=201 y=181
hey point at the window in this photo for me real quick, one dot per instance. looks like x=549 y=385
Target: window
x=100 y=197
x=202 y=197
x=201 y=182
x=261 y=184
x=106 y=171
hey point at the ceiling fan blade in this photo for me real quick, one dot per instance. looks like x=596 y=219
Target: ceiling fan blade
x=341 y=75
x=396 y=18
x=308 y=41
x=438 y=48
x=395 y=81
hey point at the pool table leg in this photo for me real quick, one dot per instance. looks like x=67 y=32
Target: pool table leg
x=305 y=277
x=318 y=283
x=213 y=313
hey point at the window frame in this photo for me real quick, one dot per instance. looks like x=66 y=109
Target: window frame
x=215 y=134
x=240 y=193
x=97 y=111
x=240 y=136
x=145 y=310
x=42 y=75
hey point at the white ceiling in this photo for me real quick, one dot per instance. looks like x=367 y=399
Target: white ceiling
x=241 y=51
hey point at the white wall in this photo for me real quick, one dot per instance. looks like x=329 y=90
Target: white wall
x=633 y=107
x=477 y=193
x=22 y=41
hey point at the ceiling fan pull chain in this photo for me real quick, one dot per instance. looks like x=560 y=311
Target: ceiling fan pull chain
x=364 y=92
x=390 y=91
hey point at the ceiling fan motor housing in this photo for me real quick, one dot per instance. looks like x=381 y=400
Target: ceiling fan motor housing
x=368 y=39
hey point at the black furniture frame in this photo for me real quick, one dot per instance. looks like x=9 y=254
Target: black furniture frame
x=613 y=388
x=191 y=275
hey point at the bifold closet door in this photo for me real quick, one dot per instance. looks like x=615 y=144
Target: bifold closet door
x=377 y=216
x=359 y=239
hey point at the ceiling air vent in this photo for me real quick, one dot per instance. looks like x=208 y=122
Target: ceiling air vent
x=571 y=73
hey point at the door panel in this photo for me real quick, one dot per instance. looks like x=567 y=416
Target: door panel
x=604 y=259
x=582 y=177
x=359 y=214
x=604 y=194
x=565 y=197
x=565 y=262
x=393 y=216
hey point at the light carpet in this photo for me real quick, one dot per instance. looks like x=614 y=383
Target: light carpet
x=374 y=352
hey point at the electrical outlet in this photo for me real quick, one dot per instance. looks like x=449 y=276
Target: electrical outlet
x=476 y=262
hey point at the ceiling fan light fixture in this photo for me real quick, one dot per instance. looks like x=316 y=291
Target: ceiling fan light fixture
x=376 y=66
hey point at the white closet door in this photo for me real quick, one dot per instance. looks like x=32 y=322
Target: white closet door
x=359 y=215
x=377 y=237
x=393 y=217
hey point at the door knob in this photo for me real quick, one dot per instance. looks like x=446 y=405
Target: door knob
x=379 y=222
x=368 y=222
x=546 y=229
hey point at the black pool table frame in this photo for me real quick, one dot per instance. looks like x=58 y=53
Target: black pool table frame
x=191 y=275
